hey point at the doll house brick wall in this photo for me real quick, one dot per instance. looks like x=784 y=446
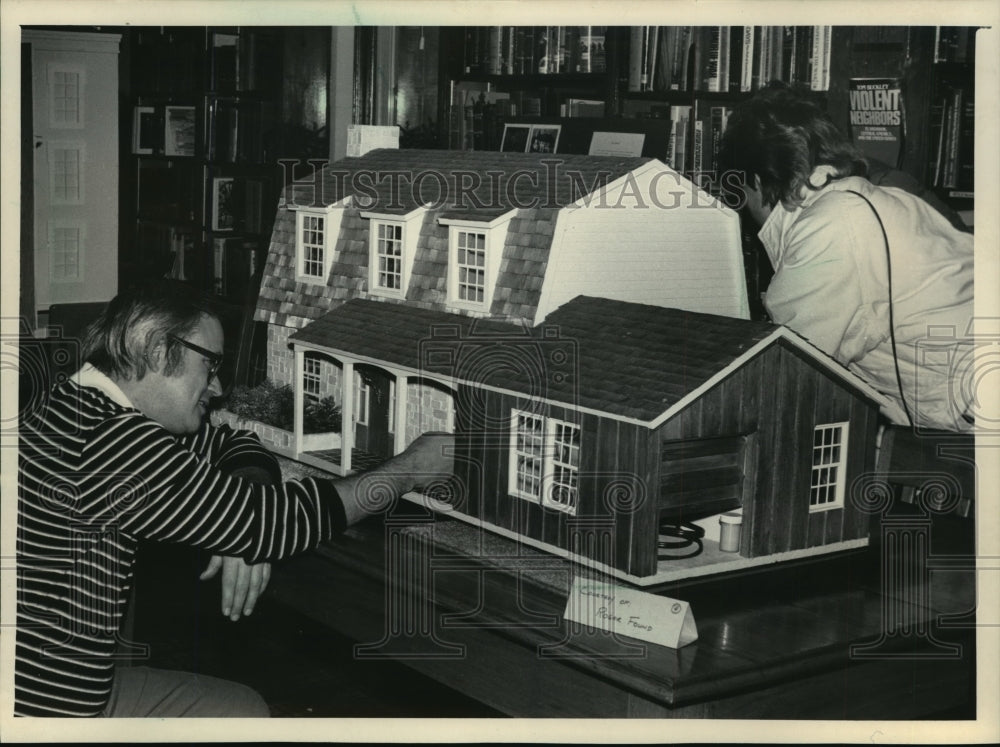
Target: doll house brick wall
x=580 y=325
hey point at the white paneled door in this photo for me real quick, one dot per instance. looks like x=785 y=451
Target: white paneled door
x=75 y=138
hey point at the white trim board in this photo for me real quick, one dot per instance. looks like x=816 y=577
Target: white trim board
x=710 y=562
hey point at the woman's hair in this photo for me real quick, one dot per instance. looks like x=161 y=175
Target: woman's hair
x=120 y=342
x=780 y=135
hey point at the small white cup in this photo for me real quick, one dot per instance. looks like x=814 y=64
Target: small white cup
x=730 y=526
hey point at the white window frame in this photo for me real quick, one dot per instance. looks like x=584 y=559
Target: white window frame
x=331 y=217
x=564 y=471
x=829 y=466
x=58 y=122
x=409 y=232
x=495 y=235
x=469 y=276
x=312 y=367
x=550 y=457
x=387 y=256
x=80 y=254
x=78 y=197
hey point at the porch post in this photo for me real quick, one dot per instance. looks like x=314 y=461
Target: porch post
x=346 y=417
x=399 y=416
x=299 y=399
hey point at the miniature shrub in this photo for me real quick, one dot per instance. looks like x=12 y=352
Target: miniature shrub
x=266 y=402
x=275 y=405
x=321 y=416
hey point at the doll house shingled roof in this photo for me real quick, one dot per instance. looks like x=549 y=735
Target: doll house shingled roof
x=580 y=324
x=611 y=416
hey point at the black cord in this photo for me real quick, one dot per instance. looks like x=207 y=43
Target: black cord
x=892 y=322
x=686 y=534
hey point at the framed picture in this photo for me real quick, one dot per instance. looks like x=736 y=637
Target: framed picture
x=515 y=138
x=616 y=144
x=179 y=131
x=144 y=130
x=223 y=204
x=544 y=138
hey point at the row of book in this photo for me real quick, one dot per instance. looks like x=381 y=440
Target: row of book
x=476 y=117
x=239 y=131
x=694 y=135
x=174 y=252
x=186 y=59
x=727 y=59
x=236 y=131
x=477 y=113
x=532 y=50
x=955 y=44
x=244 y=61
x=952 y=133
x=236 y=262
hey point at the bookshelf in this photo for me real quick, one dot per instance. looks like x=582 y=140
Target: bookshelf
x=490 y=75
x=951 y=138
x=692 y=76
x=910 y=87
x=202 y=109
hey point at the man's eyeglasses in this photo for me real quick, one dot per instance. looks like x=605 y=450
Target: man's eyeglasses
x=214 y=359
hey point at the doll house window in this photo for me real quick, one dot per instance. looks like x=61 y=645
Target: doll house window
x=311 y=377
x=544 y=461
x=389 y=256
x=316 y=231
x=311 y=245
x=474 y=250
x=470 y=263
x=829 y=466
x=392 y=246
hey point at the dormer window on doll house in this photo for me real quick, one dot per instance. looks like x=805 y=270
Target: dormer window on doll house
x=392 y=246
x=474 y=252
x=316 y=231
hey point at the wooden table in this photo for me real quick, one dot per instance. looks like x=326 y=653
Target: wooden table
x=483 y=615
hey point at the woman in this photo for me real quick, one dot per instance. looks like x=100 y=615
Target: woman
x=873 y=276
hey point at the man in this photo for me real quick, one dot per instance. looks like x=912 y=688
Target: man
x=122 y=452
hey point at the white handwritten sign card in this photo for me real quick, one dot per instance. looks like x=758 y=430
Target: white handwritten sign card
x=632 y=613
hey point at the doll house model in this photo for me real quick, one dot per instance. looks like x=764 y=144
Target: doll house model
x=586 y=343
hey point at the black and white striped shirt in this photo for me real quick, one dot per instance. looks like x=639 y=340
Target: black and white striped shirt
x=95 y=475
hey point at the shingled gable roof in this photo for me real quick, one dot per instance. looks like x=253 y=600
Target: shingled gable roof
x=468 y=185
x=633 y=361
x=544 y=181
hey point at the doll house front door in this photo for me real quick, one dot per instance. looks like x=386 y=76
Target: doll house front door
x=373 y=405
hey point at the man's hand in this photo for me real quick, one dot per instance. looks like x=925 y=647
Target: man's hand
x=242 y=583
x=430 y=458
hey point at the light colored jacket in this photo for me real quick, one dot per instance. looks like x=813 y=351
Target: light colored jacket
x=831 y=285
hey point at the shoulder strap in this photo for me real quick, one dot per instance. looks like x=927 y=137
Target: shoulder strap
x=892 y=323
